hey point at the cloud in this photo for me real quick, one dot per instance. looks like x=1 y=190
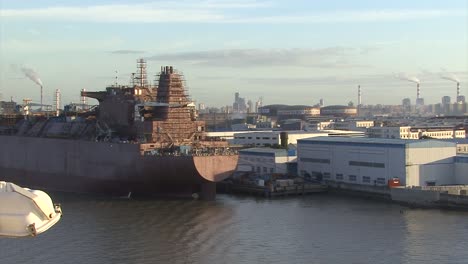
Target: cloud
x=332 y=57
x=385 y=15
x=127 y=52
x=215 y=12
x=331 y=80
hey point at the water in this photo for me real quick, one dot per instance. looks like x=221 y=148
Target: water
x=311 y=229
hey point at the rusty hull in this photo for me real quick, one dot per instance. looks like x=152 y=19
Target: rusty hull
x=108 y=168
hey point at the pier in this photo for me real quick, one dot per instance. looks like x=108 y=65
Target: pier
x=272 y=191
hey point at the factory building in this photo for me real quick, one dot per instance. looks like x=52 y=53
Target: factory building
x=273 y=138
x=462 y=145
x=407 y=132
x=267 y=161
x=352 y=125
x=370 y=161
x=283 y=112
x=338 y=111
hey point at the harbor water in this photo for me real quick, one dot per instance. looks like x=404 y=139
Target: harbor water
x=321 y=228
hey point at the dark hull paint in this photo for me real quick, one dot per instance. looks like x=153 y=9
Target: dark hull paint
x=108 y=168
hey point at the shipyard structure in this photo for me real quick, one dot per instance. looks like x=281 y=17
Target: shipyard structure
x=140 y=139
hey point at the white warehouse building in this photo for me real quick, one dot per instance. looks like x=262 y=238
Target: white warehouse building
x=407 y=132
x=374 y=161
x=262 y=161
x=272 y=138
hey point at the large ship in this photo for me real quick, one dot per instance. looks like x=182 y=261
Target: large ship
x=140 y=139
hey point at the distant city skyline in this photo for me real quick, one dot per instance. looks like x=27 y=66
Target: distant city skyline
x=289 y=52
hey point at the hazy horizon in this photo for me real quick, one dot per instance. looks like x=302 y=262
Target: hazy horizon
x=293 y=52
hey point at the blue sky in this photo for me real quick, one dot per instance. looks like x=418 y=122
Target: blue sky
x=293 y=52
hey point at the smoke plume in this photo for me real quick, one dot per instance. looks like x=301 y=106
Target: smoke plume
x=450 y=77
x=31 y=74
x=405 y=77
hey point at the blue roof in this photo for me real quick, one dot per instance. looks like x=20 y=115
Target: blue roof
x=358 y=140
x=377 y=142
x=457 y=140
x=461 y=158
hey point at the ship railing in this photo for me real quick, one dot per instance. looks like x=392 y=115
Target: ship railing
x=227 y=152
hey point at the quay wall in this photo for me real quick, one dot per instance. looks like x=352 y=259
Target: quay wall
x=452 y=197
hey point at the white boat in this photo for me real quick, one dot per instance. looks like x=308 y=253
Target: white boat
x=25 y=212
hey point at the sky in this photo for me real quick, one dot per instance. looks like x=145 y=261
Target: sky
x=291 y=52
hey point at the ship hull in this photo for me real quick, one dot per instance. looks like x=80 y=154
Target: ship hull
x=108 y=168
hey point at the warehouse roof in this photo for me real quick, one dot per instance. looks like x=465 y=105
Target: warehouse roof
x=422 y=143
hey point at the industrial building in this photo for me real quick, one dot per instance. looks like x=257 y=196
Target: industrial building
x=338 y=111
x=283 y=112
x=273 y=138
x=353 y=125
x=371 y=161
x=267 y=161
x=408 y=132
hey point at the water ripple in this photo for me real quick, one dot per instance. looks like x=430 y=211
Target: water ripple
x=310 y=229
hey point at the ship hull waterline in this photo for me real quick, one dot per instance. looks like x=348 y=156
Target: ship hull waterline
x=108 y=168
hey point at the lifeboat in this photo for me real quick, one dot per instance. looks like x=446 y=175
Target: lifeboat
x=25 y=212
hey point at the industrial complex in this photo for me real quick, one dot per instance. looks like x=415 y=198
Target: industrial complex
x=158 y=128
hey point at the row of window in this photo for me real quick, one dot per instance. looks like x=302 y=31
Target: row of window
x=257 y=159
x=265 y=169
x=353 y=178
x=351 y=163
x=367 y=164
x=274 y=138
x=326 y=161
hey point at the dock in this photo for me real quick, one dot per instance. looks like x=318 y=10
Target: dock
x=270 y=191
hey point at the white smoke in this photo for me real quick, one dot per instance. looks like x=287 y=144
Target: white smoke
x=405 y=77
x=31 y=74
x=450 y=76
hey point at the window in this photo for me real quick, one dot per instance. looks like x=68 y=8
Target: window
x=352 y=177
x=258 y=169
x=326 y=175
x=367 y=164
x=339 y=176
x=272 y=170
x=326 y=161
x=365 y=179
x=381 y=181
x=265 y=169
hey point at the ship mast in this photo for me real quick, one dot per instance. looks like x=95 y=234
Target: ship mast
x=141 y=73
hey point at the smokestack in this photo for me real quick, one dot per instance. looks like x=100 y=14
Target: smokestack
x=458 y=89
x=41 y=97
x=84 y=103
x=57 y=102
x=417 y=91
x=359 y=95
